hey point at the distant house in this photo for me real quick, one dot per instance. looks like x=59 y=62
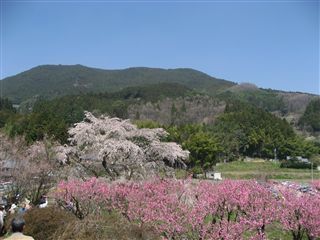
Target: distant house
x=213 y=175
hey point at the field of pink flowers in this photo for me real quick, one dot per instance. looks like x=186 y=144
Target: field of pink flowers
x=184 y=209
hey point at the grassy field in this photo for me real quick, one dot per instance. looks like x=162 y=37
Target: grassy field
x=259 y=169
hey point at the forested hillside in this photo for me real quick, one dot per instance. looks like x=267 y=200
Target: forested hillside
x=52 y=81
x=310 y=118
x=261 y=98
x=53 y=117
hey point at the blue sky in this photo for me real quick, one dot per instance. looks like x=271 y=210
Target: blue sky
x=273 y=44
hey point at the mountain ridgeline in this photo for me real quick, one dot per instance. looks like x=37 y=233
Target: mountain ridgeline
x=168 y=97
x=54 y=81
x=51 y=81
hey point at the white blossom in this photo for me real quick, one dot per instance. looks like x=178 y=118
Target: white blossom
x=62 y=153
x=121 y=151
x=169 y=152
x=117 y=141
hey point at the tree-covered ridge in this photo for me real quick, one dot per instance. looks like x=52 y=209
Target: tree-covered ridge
x=251 y=131
x=53 y=117
x=311 y=117
x=151 y=92
x=52 y=81
x=266 y=99
x=288 y=105
x=179 y=111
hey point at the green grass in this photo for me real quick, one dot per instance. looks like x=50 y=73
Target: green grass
x=259 y=169
x=181 y=173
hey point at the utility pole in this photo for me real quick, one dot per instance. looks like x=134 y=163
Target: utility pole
x=275 y=154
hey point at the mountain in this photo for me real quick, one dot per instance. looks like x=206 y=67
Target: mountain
x=51 y=81
x=148 y=84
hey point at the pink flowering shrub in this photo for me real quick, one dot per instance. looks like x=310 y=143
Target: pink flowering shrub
x=300 y=214
x=233 y=207
x=158 y=204
x=82 y=197
x=179 y=209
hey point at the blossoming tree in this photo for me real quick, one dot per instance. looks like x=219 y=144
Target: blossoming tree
x=124 y=150
x=300 y=214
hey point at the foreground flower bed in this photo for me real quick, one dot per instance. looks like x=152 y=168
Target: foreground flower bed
x=198 y=210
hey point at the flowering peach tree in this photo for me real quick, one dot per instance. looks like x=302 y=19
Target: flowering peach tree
x=183 y=209
x=300 y=214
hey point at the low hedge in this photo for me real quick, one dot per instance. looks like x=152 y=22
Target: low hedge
x=296 y=164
